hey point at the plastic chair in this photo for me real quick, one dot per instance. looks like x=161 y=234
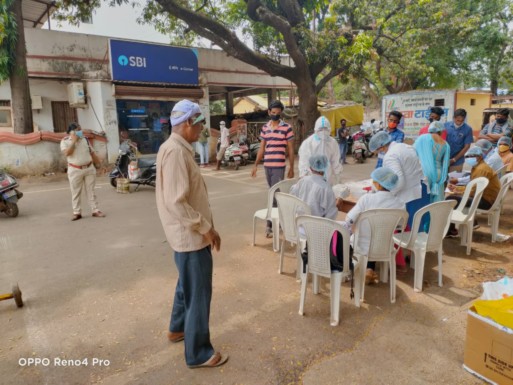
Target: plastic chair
x=420 y=242
x=383 y=223
x=318 y=232
x=494 y=212
x=463 y=216
x=501 y=171
x=289 y=207
x=271 y=213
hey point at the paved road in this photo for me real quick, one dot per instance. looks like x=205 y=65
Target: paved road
x=101 y=289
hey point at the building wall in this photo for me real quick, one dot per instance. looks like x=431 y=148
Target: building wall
x=474 y=109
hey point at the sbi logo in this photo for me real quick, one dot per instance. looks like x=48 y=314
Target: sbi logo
x=133 y=61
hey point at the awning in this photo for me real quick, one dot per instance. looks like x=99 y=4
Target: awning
x=36 y=12
x=157 y=93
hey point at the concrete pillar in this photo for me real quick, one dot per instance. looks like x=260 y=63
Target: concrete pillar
x=271 y=95
x=101 y=116
x=229 y=104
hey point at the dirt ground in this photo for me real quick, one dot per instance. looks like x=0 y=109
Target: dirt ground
x=103 y=288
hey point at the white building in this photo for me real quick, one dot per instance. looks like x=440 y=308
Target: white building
x=109 y=85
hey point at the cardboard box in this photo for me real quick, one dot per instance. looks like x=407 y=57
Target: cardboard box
x=488 y=349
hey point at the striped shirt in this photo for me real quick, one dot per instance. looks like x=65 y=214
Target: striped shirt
x=276 y=143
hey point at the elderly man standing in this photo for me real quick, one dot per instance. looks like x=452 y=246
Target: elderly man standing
x=500 y=127
x=81 y=170
x=184 y=210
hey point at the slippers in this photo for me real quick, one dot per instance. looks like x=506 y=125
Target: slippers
x=217 y=359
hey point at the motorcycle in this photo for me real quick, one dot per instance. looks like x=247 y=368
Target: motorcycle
x=9 y=195
x=360 y=147
x=139 y=171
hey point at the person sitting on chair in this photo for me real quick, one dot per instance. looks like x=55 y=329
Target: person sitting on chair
x=475 y=159
x=315 y=191
x=384 y=180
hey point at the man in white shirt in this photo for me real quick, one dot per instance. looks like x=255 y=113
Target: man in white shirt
x=321 y=143
x=402 y=159
x=384 y=181
x=225 y=143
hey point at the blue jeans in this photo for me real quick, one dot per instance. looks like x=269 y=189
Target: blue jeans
x=191 y=307
x=343 y=151
x=273 y=176
x=413 y=206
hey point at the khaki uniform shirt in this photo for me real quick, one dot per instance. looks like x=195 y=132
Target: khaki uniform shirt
x=81 y=155
x=182 y=198
x=494 y=185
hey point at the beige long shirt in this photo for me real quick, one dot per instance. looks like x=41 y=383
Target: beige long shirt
x=81 y=155
x=182 y=198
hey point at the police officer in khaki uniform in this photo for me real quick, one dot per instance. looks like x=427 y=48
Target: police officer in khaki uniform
x=81 y=171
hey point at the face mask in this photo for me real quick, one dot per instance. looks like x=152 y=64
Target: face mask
x=501 y=120
x=374 y=189
x=471 y=161
x=80 y=134
x=458 y=125
x=321 y=135
x=503 y=148
x=392 y=124
x=275 y=118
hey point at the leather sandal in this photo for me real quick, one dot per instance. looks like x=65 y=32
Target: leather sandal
x=217 y=359
x=76 y=217
x=98 y=214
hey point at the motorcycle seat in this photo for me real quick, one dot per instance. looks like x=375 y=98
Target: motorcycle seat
x=146 y=162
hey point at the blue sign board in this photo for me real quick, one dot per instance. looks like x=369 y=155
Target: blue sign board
x=152 y=63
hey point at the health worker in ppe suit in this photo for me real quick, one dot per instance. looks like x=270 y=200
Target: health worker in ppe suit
x=321 y=143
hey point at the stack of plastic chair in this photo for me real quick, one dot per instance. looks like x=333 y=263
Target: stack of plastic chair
x=494 y=212
x=383 y=223
x=289 y=207
x=271 y=213
x=318 y=232
x=420 y=242
x=463 y=217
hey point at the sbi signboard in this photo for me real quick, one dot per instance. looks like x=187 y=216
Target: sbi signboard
x=152 y=63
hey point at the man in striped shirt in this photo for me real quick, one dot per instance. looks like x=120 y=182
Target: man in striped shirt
x=276 y=141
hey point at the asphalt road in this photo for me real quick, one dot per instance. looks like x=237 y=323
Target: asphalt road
x=98 y=294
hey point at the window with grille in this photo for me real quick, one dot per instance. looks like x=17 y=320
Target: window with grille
x=5 y=113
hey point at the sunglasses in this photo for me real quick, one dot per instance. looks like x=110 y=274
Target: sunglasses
x=199 y=119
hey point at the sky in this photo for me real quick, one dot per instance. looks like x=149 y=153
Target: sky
x=124 y=27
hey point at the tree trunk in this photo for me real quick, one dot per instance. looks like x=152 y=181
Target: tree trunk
x=494 y=84
x=308 y=111
x=20 y=91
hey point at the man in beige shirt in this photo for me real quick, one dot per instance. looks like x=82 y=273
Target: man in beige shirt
x=81 y=171
x=184 y=210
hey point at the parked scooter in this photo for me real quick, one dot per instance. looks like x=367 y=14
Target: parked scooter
x=360 y=147
x=9 y=196
x=144 y=172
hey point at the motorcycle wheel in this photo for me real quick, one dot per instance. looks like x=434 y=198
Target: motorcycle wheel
x=113 y=182
x=11 y=209
x=361 y=159
x=236 y=167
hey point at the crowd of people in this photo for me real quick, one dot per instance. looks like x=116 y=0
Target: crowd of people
x=406 y=177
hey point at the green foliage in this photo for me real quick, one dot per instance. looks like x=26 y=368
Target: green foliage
x=8 y=37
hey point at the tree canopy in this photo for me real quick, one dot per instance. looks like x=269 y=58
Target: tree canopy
x=389 y=45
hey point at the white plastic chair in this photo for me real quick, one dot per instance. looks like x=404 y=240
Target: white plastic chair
x=494 y=212
x=319 y=232
x=289 y=207
x=420 y=242
x=383 y=223
x=271 y=213
x=463 y=216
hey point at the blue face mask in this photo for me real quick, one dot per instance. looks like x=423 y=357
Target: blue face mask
x=472 y=162
x=80 y=134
